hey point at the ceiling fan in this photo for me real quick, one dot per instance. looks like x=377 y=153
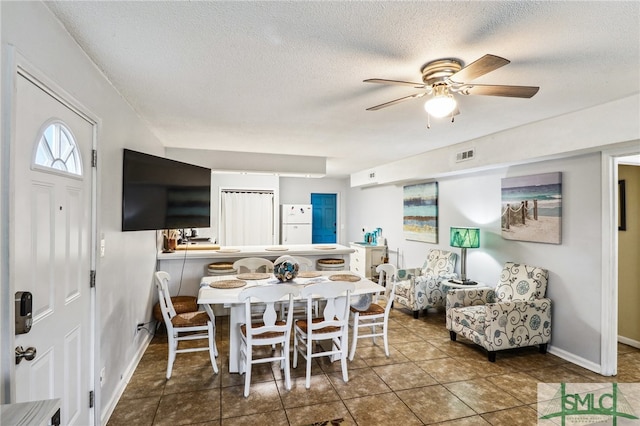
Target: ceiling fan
x=443 y=77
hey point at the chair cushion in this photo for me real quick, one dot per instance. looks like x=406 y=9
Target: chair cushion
x=190 y=319
x=438 y=263
x=374 y=309
x=267 y=335
x=180 y=304
x=303 y=325
x=472 y=317
x=521 y=282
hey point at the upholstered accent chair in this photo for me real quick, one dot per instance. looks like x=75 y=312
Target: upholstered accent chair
x=514 y=314
x=419 y=288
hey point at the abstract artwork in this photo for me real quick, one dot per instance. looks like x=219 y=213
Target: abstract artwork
x=532 y=208
x=420 y=212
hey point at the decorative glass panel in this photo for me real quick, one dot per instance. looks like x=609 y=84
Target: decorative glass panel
x=58 y=150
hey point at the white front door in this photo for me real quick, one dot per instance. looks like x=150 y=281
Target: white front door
x=51 y=226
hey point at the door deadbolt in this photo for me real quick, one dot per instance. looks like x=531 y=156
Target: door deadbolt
x=28 y=354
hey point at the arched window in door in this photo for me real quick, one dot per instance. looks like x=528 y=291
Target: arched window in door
x=57 y=150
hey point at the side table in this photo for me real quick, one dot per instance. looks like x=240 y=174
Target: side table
x=447 y=285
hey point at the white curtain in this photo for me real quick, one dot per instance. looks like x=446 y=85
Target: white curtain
x=246 y=218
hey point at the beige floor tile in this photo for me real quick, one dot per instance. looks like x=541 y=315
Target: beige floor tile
x=196 y=378
x=395 y=357
x=320 y=391
x=434 y=404
x=383 y=409
x=139 y=411
x=309 y=414
x=362 y=382
x=145 y=384
x=527 y=359
x=404 y=376
x=480 y=395
x=520 y=385
x=263 y=398
x=558 y=374
x=419 y=351
x=259 y=373
x=427 y=379
x=366 y=350
x=524 y=416
x=188 y=408
x=467 y=421
x=448 y=370
x=271 y=418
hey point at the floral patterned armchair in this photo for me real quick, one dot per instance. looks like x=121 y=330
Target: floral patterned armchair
x=420 y=288
x=514 y=314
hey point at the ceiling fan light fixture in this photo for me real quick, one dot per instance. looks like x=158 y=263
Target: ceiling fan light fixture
x=441 y=103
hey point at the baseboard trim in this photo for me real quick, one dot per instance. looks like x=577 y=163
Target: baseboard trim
x=108 y=409
x=630 y=342
x=574 y=359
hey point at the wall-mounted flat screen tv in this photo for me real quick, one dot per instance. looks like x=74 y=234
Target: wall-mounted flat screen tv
x=158 y=193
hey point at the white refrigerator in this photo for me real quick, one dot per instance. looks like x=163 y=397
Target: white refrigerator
x=296 y=224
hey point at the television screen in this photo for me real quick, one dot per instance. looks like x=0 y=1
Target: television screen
x=158 y=193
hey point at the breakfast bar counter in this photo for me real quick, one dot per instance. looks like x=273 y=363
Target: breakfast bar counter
x=215 y=252
x=188 y=264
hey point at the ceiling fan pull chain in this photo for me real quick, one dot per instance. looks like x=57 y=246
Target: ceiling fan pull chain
x=428 y=121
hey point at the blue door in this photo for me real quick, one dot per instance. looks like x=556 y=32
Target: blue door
x=324 y=218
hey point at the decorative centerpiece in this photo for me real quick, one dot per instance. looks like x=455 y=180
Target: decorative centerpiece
x=285 y=268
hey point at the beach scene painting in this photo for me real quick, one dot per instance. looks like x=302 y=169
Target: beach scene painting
x=532 y=208
x=420 y=212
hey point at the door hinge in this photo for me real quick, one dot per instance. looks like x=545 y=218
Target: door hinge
x=94 y=158
x=91 y=399
x=92 y=278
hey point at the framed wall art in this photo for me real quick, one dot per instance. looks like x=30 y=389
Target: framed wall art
x=532 y=208
x=420 y=212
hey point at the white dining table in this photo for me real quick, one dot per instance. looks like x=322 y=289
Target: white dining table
x=228 y=297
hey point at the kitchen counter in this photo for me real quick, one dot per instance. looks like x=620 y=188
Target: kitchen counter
x=239 y=252
x=187 y=267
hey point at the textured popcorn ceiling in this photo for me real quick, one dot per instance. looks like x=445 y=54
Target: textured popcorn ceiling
x=286 y=77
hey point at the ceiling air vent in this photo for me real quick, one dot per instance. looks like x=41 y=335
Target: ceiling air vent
x=465 y=155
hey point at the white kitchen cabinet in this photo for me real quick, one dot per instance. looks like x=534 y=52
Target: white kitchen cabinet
x=365 y=258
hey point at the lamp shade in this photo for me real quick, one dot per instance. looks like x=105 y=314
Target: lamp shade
x=465 y=237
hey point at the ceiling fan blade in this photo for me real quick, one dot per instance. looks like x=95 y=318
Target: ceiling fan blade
x=478 y=68
x=496 y=90
x=396 y=82
x=396 y=101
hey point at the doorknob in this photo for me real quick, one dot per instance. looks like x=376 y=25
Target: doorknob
x=28 y=354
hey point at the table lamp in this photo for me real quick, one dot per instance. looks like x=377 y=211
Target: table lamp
x=464 y=238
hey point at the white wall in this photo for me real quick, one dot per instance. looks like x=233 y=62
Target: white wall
x=299 y=190
x=475 y=200
x=124 y=276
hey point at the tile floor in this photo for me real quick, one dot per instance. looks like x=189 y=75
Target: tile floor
x=427 y=380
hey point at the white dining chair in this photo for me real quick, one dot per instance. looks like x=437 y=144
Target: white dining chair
x=197 y=325
x=375 y=317
x=305 y=263
x=300 y=306
x=331 y=324
x=253 y=264
x=268 y=331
